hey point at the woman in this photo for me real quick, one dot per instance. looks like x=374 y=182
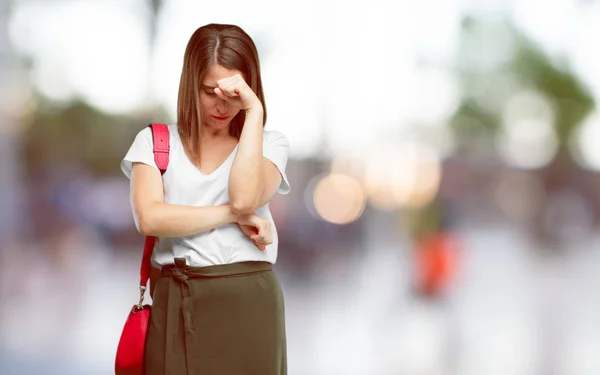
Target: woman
x=217 y=306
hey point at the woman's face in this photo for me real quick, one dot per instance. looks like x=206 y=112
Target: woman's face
x=217 y=113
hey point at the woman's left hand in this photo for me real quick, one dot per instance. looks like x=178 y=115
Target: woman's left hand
x=257 y=229
x=237 y=92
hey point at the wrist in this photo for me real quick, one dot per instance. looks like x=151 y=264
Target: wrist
x=255 y=109
x=233 y=216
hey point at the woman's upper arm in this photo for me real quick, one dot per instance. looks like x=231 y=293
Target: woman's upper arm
x=275 y=156
x=272 y=181
x=146 y=189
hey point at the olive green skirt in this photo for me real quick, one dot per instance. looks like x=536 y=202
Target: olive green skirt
x=217 y=320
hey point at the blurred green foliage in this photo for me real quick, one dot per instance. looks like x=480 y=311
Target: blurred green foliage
x=494 y=52
x=81 y=134
x=495 y=61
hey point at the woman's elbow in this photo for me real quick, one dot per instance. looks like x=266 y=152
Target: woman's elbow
x=144 y=224
x=144 y=229
x=239 y=207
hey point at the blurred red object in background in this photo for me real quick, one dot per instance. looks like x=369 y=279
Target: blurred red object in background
x=437 y=256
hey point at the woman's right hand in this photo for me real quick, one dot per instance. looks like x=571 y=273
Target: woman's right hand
x=257 y=229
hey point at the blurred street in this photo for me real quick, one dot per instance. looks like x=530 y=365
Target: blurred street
x=511 y=312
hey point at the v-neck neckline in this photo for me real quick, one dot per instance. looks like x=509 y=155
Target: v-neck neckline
x=213 y=173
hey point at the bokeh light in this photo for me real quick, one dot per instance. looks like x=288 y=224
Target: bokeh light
x=527 y=139
x=339 y=199
x=584 y=144
x=407 y=175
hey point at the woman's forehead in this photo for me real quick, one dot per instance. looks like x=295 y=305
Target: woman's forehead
x=216 y=72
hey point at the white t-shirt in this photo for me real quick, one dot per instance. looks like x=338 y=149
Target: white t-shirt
x=185 y=185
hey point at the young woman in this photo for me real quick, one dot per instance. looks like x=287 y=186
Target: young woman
x=217 y=307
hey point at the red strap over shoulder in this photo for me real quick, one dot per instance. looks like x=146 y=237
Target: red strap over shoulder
x=160 y=137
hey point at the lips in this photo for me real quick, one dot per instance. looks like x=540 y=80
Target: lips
x=221 y=118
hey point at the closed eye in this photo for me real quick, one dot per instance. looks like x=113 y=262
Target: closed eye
x=209 y=90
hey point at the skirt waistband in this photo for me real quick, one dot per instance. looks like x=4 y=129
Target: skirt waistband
x=181 y=270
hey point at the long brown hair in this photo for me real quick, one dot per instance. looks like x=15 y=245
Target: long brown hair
x=230 y=47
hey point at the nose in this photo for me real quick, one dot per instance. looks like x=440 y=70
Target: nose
x=222 y=105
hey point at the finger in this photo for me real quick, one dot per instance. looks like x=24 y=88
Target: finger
x=262 y=241
x=223 y=88
x=231 y=91
x=220 y=93
x=234 y=78
x=268 y=239
x=259 y=245
x=232 y=88
x=247 y=230
x=224 y=81
x=257 y=238
x=228 y=87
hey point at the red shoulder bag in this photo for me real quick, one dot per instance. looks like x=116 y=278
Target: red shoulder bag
x=130 y=352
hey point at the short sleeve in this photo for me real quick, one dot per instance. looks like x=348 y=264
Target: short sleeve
x=276 y=148
x=140 y=151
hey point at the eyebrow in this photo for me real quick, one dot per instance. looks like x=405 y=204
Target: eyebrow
x=208 y=87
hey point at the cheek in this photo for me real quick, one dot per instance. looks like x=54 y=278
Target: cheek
x=206 y=103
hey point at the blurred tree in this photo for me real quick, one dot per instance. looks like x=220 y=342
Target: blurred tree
x=493 y=53
x=571 y=99
x=76 y=134
x=496 y=61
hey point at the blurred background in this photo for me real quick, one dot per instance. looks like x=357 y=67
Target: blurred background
x=444 y=165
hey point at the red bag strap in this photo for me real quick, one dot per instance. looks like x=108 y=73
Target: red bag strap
x=160 y=137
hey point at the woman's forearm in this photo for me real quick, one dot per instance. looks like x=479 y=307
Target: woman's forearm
x=167 y=220
x=246 y=176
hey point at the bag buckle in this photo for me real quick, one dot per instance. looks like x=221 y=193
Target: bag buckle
x=142 y=291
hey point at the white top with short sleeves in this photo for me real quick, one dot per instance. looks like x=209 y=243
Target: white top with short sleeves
x=185 y=185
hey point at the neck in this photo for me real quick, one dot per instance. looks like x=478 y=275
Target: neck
x=212 y=137
x=209 y=133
